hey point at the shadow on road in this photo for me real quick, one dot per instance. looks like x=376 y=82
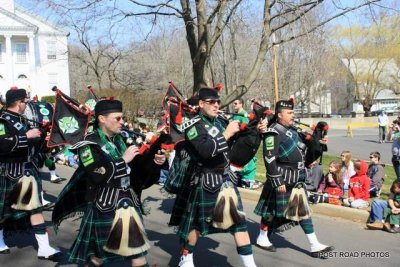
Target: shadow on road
x=204 y=250
x=276 y=238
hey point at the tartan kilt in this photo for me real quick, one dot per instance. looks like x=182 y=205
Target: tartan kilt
x=181 y=201
x=179 y=173
x=272 y=202
x=181 y=169
x=197 y=211
x=16 y=219
x=93 y=235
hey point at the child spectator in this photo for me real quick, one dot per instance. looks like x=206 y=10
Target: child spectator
x=333 y=180
x=315 y=175
x=60 y=158
x=359 y=187
x=392 y=213
x=347 y=170
x=142 y=127
x=376 y=173
x=376 y=218
x=71 y=158
x=66 y=157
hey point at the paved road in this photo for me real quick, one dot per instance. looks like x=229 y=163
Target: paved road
x=349 y=238
x=364 y=141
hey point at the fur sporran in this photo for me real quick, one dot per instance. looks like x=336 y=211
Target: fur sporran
x=127 y=236
x=297 y=208
x=25 y=194
x=226 y=211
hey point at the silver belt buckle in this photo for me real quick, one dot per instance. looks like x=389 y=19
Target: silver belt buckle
x=125 y=183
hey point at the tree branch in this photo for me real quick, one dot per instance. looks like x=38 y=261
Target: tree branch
x=260 y=58
x=190 y=28
x=302 y=14
x=346 y=10
x=215 y=12
x=295 y=8
x=219 y=28
x=157 y=6
x=132 y=14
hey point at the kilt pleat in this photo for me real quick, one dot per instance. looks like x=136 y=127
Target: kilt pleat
x=271 y=202
x=15 y=220
x=92 y=237
x=197 y=206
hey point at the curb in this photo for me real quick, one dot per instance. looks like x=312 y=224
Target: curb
x=356 y=215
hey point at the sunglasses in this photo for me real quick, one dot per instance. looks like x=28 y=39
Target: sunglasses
x=212 y=101
x=119 y=118
x=371 y=157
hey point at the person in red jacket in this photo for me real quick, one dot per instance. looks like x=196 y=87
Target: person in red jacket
x=359 y=187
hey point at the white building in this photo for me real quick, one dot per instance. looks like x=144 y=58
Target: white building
x=33 y=52
x=317 y=99
x=377 y=77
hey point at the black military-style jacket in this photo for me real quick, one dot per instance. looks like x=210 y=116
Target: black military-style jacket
x=109 y=178
x=16 y=150
x=206 y=143
x=208 y=149
x=97 y=162
x=284 y=154
x=14 y=145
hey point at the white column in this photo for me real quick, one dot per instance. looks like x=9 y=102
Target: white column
x=9 y=60
x=32 y=62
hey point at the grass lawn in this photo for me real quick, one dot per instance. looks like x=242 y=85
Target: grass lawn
x=389 y=171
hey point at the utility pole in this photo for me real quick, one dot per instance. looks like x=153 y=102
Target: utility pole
x=275 y=68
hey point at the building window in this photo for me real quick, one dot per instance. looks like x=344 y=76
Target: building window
x=52 y=78
x=20 y=51
x=51 y=50
x=22 y=81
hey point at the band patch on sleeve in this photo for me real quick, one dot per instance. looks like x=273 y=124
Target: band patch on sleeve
x=269 y=143
x=192 y=134
x=2 y=129
x=86 y=156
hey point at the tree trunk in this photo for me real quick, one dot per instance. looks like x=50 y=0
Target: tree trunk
x=262 y=51
x=201 y=57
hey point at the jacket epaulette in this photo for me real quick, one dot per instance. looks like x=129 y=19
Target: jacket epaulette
x=190 y=122
x=272 y=130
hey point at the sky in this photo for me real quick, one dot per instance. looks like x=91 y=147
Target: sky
x=138 y=30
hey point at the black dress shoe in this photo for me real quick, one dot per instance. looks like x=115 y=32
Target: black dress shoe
x=56 y=181
x=5 y=251
x=56 y=257
x=269 y=248
x=322 y=253
x=49 y=206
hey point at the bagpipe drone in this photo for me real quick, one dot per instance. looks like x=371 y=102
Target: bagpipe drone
x=245 y=143
x=315 y=141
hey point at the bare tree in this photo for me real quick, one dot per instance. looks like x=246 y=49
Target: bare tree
x=205 y=21
x=369 y=52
